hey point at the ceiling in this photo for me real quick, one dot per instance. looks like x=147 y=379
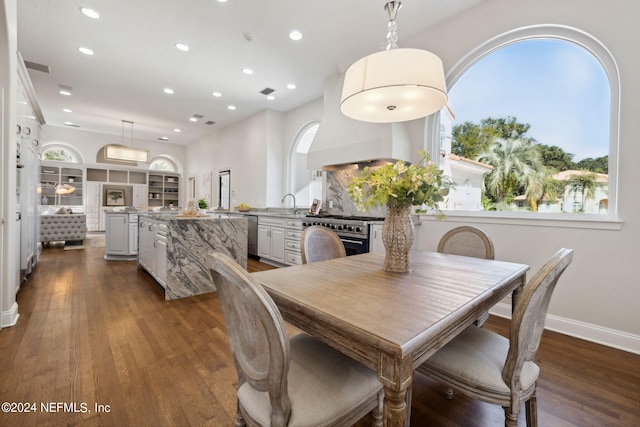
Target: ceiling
x=135 y=57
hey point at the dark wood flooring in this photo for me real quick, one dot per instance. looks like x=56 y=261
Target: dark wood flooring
x=96 y=344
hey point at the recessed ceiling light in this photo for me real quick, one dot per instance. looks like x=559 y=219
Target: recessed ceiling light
x=295 y=35
x=85 y=50
x=271 y=97
x=64 y=92
x=177 y=130
x=222 y=1
x=168 y=90
x=193 y=119
x=291 y=86
x=247 y=71
x=217 y=94
x=90 y=12
x=163 y=138
x=183 y=47
x=231 y=107
x=66 y=110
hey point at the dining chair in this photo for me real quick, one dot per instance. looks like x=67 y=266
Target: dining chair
x=468 y=241
x=484 y=365
x=319 y=243
x=287 y=382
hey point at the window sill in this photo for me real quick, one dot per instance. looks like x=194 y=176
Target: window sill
x=588 y=221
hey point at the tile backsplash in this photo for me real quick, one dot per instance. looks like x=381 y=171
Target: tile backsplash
x=336 y=192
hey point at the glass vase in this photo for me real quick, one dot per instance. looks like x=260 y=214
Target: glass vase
x=397 y=236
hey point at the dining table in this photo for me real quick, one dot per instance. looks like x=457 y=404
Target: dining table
x=391 y=322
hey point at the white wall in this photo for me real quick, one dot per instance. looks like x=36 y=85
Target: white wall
x=599 y=294
x=256 y=151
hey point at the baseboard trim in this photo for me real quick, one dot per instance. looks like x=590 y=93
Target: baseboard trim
x=586 y=331
x=10 y=317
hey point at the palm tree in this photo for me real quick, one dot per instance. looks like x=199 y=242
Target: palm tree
x=516 y=165
x=585 y=183
x=543 y=186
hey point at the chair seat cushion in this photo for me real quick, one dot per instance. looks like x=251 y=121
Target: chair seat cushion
x=477 y=356
x=324 y=385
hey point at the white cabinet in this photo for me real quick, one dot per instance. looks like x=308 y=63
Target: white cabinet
x=152 y=248
x=375 y=238
x=121 y=236
x=93 y=191
x=271 y=237
x=140 y=194
x=293 y=235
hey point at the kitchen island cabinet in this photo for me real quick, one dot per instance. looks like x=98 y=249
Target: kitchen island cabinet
x=188 y=241
x=121 y=237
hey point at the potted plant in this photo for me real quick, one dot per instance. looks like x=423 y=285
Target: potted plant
x=203 y=205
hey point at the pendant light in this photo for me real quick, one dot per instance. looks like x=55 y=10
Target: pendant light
x=124 y=153
x=394 y=85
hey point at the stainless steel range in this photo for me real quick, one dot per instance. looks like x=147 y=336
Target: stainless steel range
x=352 y=230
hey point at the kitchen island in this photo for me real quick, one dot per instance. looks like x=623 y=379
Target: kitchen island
x=172 y=249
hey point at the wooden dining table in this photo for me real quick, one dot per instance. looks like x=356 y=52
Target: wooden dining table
x=391 y=322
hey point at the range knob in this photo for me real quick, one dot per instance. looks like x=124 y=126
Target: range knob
x=358 y=229
x=339 y=228
x=348 y=227
x=332 y=226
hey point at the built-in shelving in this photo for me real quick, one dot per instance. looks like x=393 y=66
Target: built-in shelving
x=53 y=176
x=164 y=189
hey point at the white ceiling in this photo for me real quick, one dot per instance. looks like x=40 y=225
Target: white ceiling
x=136 y=58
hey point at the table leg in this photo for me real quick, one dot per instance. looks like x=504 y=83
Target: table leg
x=395 y=407
x=396 y=375
x=516 y=292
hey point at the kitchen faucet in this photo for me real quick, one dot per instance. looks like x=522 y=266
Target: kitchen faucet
x=295 y=209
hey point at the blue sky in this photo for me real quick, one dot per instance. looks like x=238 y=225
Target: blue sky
x=559 y=88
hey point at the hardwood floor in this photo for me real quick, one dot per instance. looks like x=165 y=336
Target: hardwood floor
x=93 y=332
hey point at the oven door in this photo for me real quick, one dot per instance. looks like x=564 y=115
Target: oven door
x=355 y=246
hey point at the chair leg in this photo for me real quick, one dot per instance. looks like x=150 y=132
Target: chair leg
x=510 y=419
x=531 y=409
x=449 y=393
x=239 y=418
x=377 y=413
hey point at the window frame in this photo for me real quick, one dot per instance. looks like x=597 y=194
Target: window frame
x=166 y=159
x=62 y=146
x=610 y=220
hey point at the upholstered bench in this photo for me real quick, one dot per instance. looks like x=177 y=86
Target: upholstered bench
x=67 y=227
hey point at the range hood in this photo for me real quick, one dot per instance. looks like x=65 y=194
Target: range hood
x=342 y=141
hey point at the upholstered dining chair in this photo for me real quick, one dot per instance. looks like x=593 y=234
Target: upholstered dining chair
x=319 y=243
x=468 y=241
x=486 y=366
x=281 y=381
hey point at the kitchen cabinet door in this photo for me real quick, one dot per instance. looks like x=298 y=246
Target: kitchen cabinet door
x=117 y=235
x=375 y=241
x=277 y=244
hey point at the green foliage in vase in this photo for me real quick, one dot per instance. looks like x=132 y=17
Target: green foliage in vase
x=202 y=203
x=400 y=184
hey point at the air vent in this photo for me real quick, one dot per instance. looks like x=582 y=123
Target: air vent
x=198 y=116
x=210 y=123
x=37 y=67
x=267 y=91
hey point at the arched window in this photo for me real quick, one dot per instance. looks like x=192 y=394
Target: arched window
x=163 y=164
x=304 y=183
x=535 y=111
x=60 y=153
